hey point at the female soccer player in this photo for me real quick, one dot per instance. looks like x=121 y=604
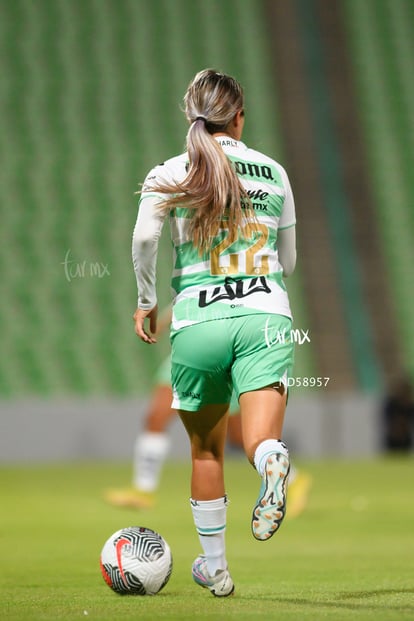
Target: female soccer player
x=232 y=222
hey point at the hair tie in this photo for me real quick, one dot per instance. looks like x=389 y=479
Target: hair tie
x=200 y=118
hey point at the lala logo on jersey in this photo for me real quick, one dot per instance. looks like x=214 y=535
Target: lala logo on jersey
x=234 y=289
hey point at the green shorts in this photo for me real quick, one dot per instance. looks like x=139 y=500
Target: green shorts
x=209 y=359
x=163 y=378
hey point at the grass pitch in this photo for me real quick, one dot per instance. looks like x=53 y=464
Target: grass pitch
x=349 y=556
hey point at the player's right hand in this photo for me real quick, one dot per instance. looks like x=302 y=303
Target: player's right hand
x=139 y=317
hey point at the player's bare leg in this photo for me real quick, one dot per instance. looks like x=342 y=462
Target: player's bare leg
x=262 y=415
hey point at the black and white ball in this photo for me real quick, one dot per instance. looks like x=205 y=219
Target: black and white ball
x=136 y=561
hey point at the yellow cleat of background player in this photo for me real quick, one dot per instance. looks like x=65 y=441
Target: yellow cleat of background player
x=130 y=498
x=298 y=493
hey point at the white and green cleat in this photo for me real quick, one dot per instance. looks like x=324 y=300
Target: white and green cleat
x=270 y=507
x=220 y=585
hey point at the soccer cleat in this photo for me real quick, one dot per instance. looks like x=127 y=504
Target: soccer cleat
x=270 y=507
x=299 y=490
x=131 y=498
x=220 y=585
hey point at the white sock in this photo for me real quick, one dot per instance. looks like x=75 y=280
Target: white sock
x=266 y=448
x=210 y=522
x=150 y=452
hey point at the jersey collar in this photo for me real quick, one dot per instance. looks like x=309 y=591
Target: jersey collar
x=228 y=141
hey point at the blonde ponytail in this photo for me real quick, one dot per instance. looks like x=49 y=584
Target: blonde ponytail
x=211 y=188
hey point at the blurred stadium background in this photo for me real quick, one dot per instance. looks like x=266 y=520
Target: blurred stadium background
x=90 y=101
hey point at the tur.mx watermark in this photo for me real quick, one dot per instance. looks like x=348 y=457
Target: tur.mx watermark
x=83 y=269
x=274 y=336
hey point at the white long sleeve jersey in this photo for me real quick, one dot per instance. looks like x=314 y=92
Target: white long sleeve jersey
x=231 y=279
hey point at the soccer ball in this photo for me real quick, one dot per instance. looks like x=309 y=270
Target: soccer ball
x=136 y=561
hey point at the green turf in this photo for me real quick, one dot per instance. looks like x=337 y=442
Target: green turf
x=350 y=556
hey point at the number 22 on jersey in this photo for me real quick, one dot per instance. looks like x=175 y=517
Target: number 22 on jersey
x=255 y=235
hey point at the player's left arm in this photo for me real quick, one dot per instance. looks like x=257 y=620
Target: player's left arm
x=145 y=241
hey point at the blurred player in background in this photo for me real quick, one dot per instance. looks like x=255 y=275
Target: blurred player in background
x=152 y=445
x=232 y=222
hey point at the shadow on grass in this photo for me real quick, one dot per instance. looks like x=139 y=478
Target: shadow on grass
x=343 y=600
x=374 y=593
